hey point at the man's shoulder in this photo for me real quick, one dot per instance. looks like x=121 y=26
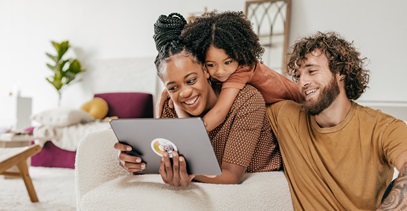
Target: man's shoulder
x=374 y=115
x=286 y=105
x=285 y=109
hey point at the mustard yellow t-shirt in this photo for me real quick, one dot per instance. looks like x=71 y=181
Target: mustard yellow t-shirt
x=345 y=167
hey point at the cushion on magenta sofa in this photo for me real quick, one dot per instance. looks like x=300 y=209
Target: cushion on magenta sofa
x=128 y=104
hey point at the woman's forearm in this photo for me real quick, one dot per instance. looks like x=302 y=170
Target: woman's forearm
x=231 y=174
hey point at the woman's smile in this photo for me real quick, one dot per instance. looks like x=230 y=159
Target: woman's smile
x=191 y=102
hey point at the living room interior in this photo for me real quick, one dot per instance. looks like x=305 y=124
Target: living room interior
x=113 y=41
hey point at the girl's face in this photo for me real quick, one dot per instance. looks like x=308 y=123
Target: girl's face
x=187 y=84
x=220 y=66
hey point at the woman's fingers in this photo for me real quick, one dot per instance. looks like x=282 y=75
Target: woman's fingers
x=175 y=173
x=122 y=147
x=129 y=162
x=166 y=169
x=185 y=179
x=175 y=169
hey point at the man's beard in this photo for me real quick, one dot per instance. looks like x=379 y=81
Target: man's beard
x=327 y=95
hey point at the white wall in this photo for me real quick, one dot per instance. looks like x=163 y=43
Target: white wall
x=378 y=29
x=104 y=31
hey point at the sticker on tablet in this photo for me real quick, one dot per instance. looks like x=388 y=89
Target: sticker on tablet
x=160 y=145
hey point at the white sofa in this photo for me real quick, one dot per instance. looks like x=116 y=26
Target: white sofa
x=101 y=184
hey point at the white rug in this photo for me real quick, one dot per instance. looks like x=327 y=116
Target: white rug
x=55 y=189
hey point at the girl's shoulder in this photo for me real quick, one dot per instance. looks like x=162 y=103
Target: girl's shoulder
x=249 y=94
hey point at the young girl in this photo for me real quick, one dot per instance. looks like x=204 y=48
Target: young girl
x=229 y=48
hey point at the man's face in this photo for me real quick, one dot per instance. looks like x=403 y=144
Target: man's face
x=316 y=82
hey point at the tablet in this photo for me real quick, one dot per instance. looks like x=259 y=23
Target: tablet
x=150 y=137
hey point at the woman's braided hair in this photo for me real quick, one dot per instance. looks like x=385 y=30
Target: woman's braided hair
x=342 y=57
x=167 y=31
x=230 y=31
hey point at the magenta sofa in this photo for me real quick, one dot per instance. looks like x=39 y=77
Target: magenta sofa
x=121 y=104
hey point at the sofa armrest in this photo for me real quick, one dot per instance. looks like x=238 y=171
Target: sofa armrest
x=96 y=161
x=259 y=191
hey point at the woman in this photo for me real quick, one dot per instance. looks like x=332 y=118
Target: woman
x=242 y=143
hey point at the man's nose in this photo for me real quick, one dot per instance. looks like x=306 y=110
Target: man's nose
x=304 y=80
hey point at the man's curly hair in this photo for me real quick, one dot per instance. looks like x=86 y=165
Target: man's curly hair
x=342 y=56
x=230 y=31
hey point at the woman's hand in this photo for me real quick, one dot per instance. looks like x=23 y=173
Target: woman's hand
x=129 y=162
x=180 y=113
x=175 y=174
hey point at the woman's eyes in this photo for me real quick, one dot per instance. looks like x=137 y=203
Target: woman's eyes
x=228 y=62
x=173 y=88
x=191 y=81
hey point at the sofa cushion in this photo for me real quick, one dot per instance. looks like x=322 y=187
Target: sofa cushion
x=97 y=107
x=61 y=117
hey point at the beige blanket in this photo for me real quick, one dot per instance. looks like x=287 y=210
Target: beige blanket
x=67 y=138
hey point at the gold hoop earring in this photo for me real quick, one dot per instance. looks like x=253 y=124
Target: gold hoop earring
x=209 y=81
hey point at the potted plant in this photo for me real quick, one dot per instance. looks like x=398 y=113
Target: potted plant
x=64 y=70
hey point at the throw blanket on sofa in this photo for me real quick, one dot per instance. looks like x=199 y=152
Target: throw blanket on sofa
x=68 y=137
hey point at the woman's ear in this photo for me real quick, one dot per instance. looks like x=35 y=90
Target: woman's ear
x=206 y=72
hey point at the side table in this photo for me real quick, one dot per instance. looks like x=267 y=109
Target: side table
x=9 y=140
x=16 y=157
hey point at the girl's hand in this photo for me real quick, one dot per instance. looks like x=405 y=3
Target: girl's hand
x=175 y=174
x=160 y=103
x=180 y=113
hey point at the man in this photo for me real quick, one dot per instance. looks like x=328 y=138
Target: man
x=337 y=155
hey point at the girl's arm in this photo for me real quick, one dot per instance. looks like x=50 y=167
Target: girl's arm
x=218 y=113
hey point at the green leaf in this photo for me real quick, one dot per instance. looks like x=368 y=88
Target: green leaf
x=75 y=67
x=51 y=67
x=62 y=64
x=54 y=58
x=63 y=48
x=57 y=84
x=69 y=77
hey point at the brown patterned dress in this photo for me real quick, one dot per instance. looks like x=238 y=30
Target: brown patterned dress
x=245 y=137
